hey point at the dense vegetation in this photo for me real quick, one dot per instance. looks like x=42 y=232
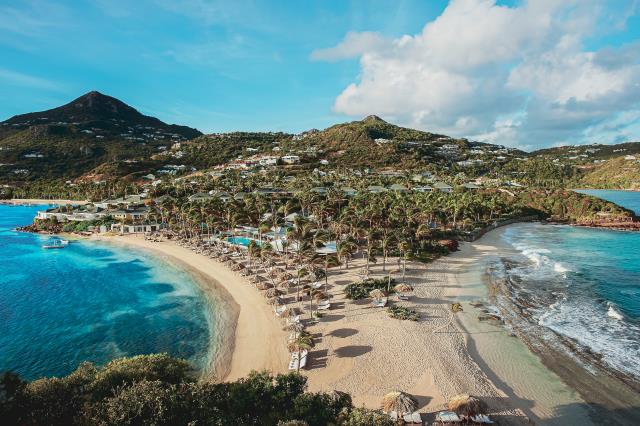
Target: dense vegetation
x=361 y=289
x=159 y=390
x=403 y=313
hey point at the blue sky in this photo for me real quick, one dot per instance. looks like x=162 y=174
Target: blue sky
x=473 y=68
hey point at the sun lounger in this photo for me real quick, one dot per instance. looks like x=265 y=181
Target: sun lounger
x=482 y=419
x=393 y=416
x=293 y=364
x=379 y=303
x=316 y=285
x=323 y=306
x=279 y=310
x=403 y=296
x=448 y=417
x=413 y=418
x=294 y=320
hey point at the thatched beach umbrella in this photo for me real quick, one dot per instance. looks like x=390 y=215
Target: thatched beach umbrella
x=289 y=313
x=296 y=326
x=285 y=284
x=285 y=276
x=273 y=292
x=403 y=288
x=275 y=301
x=263 y=285
x=377 y=293
x=320 y=295
x=273 y=274
x=400 y=402
x=467 y=405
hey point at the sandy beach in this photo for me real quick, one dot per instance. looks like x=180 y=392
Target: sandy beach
x=256 y=340
x=360 y=350
x=33 y=201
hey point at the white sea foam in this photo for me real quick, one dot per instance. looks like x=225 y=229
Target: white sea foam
x=560 y=268
x=613 y=313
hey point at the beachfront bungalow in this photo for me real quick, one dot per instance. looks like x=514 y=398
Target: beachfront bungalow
x=122 y=201
x=121 y=228
x=290 y=159
x=422 y=189
x=398 y=188
x=133 y=214
x=376 y=189
x=75 y=214
x=470 y=185
x=348 y=191
x=200 y=197
x=271 y=191
x=443 y=187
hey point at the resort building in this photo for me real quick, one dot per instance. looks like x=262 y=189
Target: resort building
x=443 y=187
x=290 y=159
x=121 y=228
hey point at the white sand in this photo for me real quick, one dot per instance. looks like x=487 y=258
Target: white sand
x=360 y=350
x=258 y=342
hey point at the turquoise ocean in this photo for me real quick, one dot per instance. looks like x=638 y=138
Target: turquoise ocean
x=581 y=284
x=91 y=301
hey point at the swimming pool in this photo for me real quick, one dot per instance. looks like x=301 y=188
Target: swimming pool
x=241 y=241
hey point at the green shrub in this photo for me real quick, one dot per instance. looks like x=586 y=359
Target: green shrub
x=403 y=313
x=361 y=289
x=363 y=417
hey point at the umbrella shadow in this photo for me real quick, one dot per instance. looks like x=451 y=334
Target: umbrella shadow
x=343 y=332
x=331 y=317
x=352 y=351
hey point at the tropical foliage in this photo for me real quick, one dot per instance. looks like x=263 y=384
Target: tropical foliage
x=403 y=313
x=160 y=390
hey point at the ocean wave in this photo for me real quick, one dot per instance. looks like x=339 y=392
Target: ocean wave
x=613 y=313
x=558 y=283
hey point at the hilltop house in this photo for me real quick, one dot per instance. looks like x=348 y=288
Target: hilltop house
x=443 y=187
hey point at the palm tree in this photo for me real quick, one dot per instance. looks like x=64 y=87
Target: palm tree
x=345 y=250
x=303 y=342
x=404 y=248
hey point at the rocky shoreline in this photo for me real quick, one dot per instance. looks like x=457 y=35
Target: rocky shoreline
x=613 y=396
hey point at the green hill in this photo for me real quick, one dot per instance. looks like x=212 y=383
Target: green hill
x=70 y=140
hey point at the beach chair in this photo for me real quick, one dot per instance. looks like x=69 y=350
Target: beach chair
x=294 y=362
x=316 y=285
x=402 y=296
x=448 y=418
x=379 y=303
x=324 y=305
x=294 y=320
x=393 y=416
x=279 y=310
x=481 y=419
x=412 y=419
x=303 y=359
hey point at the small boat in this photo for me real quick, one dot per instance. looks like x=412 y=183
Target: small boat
x=56 y=244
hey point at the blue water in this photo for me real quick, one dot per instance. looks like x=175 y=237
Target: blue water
x=584 y=283
x=90 y=302
x=240 y=241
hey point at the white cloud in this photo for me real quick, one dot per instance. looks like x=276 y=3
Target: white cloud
x=479 y=62
x=353 y=45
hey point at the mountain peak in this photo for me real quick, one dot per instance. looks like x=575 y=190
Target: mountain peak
x=94 y=109
x=373 y=119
